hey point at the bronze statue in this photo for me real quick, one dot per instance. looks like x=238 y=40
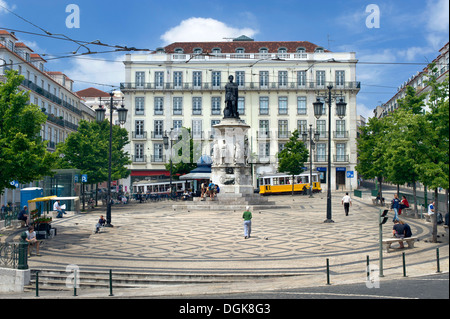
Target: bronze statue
x=231 y=99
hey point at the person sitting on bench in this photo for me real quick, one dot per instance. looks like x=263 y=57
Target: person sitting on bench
x=32 y=241
x=57 y=207
x=401 y=230
x=23 y=216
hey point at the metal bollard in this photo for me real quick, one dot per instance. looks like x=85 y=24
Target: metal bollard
x=37 y=284
x=23 y=252
x=404 y=265
x=437 y=260
x=328 y=272
x=110 y=283
x=75 y=283
x=367 y=262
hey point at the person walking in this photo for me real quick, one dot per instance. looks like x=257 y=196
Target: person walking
x=347 y=202
x=247 y=216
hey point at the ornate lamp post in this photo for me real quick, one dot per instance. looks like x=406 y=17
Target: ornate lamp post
x=312 y=138
x=318 y=112
x=100 y=117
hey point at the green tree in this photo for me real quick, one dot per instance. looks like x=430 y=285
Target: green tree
x=404 y=133
x=88 y=150
x=434 y=168
x=292 y=158
x=23 y=154
x=371 y=147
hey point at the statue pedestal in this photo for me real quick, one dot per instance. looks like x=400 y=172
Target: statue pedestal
x=230 y=169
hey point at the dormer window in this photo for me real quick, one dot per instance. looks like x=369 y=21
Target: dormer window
x=179 y=51
x=282 y=50
x=301 y=50
x=197 y=50
x=240 y=50
x=263 y=50
x=319 y=50
x=216 y=50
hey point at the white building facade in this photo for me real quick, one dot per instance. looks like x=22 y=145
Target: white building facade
x=182 y=85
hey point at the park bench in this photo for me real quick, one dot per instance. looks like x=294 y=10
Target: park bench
x=388 y=242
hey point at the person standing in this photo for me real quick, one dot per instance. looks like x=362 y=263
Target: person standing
x=347 y=202
x=247 y=216
x=395 y=205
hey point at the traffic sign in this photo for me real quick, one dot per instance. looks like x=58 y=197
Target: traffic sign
x=84 y=178
x=350 y=174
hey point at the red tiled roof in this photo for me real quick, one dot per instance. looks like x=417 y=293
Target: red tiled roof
x=249 y=46
x=4 y=32
x=92 y=92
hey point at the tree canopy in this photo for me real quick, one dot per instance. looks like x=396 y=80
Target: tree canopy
x=23 y=154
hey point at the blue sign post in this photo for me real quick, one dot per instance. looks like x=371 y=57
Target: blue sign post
x=350 y=174
x=84 y=178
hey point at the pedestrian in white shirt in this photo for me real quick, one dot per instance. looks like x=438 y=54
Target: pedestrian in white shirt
x=347 y=202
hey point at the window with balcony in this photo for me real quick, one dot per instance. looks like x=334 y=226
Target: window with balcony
x=320 y=78
x=302 y=126
x=159 y=79
x=240 y=78
x=177 y=79
x=340 y=152
x=321 y=153
x=263 y=78
x=139 y=153
x=321 y=126
x=282 y=78
x=139 y=129
x=197 y=79
x=197 y=132
x=340 y=78
x=263 y=129
x=140 y=79
x=340 y=129
x=216 y=78
x=158 y=152
x=283 y=129
x=158 y=131
x=301 y=78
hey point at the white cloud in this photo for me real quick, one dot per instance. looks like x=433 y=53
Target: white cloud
x=4 y=5
x=437 y=22
x=203 y=30
x=93 y=72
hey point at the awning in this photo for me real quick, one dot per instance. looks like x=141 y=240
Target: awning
x=191 y=176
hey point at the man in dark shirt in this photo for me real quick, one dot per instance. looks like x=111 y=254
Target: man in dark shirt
x=399 y=231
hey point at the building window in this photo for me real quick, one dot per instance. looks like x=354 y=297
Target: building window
x=177 y=79
x=177 y=105
x=139 y=106
x=197 y=78
x=340 y=129
x=340 y=78
x=216 y=78
x=240 y=78
x=264 y=105
x=177 y=125
x=321 y=154
x=263 y=50
x=159 y=79
x=197 y=50
x=340 y=152
x=301 y=105
x=215 y=105
x=282 y=105
x=302 y=126
x=263 y=78
x=197 y=129
x=319 y=50
x=197 y=106
x=158 y=152
x=320 y=78
x=159 y=105
x=301 y=78
x=139 y=128
x=264 y=150
x=321 y=126
x=158 y=129
x=241 y=105
x=240 y=50
x=138 y=152
x=283 y=129
x=282 y=78
x=140 y=79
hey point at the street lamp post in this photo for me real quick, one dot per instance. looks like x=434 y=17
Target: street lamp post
x=340 y=110
x=100 y=117
x=166 y=139
x=311 y=147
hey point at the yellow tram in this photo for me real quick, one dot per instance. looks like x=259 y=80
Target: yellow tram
x=282 y=183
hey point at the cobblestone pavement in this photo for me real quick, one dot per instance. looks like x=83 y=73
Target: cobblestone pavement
x=152 y=237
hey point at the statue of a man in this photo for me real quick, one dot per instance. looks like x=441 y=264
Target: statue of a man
x=231 y=99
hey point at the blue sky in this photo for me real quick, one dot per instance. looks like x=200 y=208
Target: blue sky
x=409 y=33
